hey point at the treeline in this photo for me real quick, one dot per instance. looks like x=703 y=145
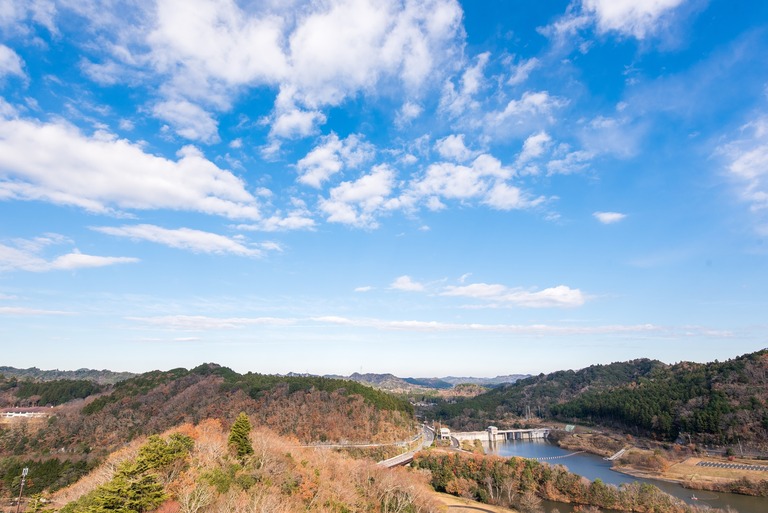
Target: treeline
x=102 y=377
x=49 y=474
x=522 y=483
x=45 y=393
x=254 y=384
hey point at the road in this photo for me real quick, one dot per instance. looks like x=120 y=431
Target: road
x=427 y=437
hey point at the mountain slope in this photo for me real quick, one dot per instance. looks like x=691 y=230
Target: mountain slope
x=311 y=409
x=193 y=468
x=719 y=402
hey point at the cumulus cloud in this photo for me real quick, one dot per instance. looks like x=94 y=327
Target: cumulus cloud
x=609 y=217
x=188 y=239
x=357 y=203
x=331 y=156
x=27 y=255
x=189 y=120
x=637 y=18
x=55 y=162
x=206 y=52
x=406 y=283
x=452 y=147
x=560 y=296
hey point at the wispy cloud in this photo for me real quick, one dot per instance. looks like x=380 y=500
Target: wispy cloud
x=23 y=311
x=26 y=255
x=204 y=323
x=196 y=241
x=557 y=297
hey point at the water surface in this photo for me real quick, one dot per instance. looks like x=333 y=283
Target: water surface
x=593 y=467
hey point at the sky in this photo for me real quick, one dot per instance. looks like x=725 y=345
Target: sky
x=421 y=187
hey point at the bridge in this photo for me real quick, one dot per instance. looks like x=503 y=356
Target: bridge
x=428 y=437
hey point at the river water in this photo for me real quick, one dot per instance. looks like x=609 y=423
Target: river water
x=593 y=467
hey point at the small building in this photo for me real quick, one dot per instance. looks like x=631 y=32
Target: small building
x=444 y=433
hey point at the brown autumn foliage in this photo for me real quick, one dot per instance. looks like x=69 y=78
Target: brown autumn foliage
x=310 y=416
x=280 y=477
x=522 y=483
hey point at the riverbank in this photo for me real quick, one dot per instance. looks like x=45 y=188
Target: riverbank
x=679 y=465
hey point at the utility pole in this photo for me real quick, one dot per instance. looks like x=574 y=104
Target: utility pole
x=24 y=473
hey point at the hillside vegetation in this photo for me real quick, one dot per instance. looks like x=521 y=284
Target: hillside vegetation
x=198 y=469
x=80 y=433
x=719 y=402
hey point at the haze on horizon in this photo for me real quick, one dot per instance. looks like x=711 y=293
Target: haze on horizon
x=423 y=188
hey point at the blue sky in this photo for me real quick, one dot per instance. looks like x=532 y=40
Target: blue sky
x=418 y=187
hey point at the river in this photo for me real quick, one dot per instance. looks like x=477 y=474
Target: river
x=593 y=467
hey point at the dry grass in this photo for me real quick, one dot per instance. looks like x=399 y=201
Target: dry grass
x=462 y=505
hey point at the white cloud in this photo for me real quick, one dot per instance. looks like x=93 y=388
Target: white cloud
x=532 y=104
x=407 y=113
x=207 y=51
x=55 y=162
x=534 y=146
x=609 y=217
x=452 y=147
x=406 y=283
x=483 y=180
x=276 y=223
x=24 y=311
x=560 y=296
x=569 y=163
x=296 y=123
x=357 y=203
x=189 y=120
x=366 y=288
x=192 y=323
x=204 y=323
x=508 y=197
x=10 y=62
x=637 y=18
x=331 y=156
x=26 y=255
x=456 y=101
x=747 y=163
x=183 y=238
x=521 y=71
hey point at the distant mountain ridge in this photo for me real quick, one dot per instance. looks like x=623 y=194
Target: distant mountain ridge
x=392 y=383
x=102 y=377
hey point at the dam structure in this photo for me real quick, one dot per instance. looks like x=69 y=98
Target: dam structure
x=493 y=434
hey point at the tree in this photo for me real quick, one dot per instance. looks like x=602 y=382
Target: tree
x=239 y=436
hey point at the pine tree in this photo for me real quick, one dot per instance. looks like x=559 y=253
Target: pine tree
x=239 y=436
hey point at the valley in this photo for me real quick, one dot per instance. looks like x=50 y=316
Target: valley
x=67 y=432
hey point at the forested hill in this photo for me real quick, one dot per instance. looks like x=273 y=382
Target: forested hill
x=103 y=377
x=718 y=402
x=312 y=409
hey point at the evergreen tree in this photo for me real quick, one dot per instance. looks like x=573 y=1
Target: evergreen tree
x=239 y=436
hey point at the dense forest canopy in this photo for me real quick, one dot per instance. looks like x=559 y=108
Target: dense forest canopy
x=718 y=402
